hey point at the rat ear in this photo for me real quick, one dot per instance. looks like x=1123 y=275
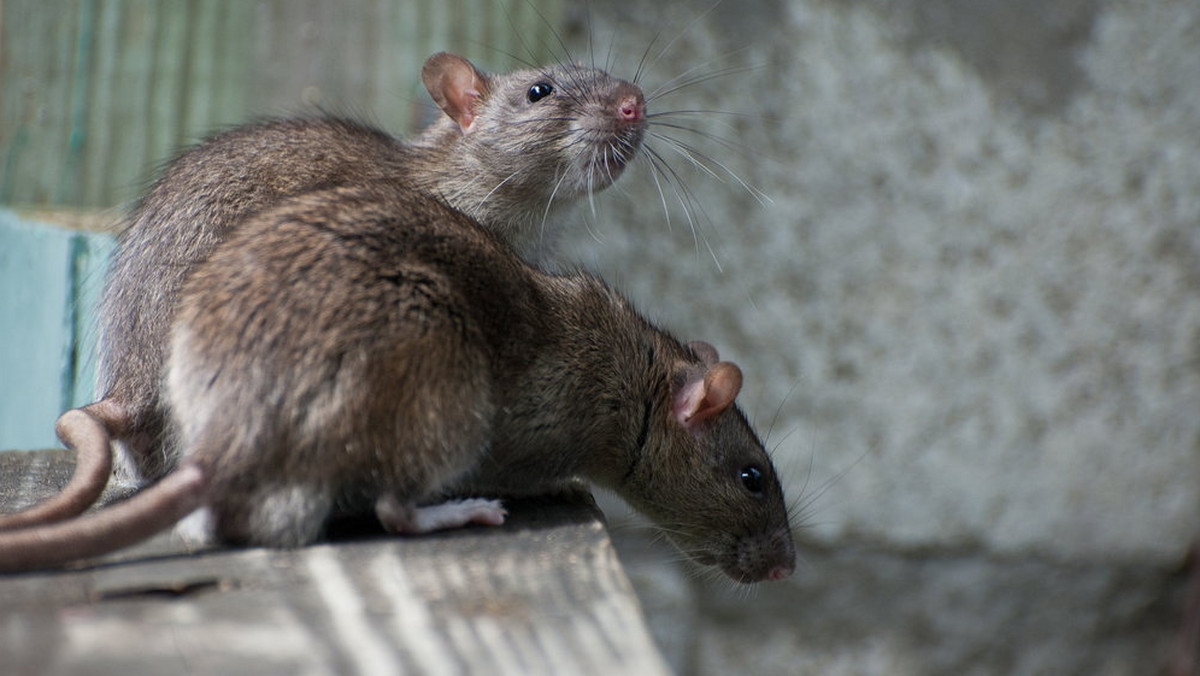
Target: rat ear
x=707 y=353
x=455 y=86
x=704 y=396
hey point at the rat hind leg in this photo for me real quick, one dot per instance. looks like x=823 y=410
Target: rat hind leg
x=288 y=515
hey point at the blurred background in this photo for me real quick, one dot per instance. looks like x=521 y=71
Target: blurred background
x=954 y=245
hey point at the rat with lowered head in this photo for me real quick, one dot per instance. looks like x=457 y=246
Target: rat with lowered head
x=368 y=347
x=510 y=149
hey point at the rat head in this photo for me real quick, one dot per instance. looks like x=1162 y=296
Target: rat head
x=561 y=131
x=704 y=477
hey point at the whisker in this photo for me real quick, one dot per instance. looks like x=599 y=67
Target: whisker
x=806 y=503
x=723 y=141
x=641 y=67
x=553 y=31
x=684 y=31
x=707 y=113
x=681 y=191
x=591 y=194
x=662 y=197
x=499 y=185
x=546 y=211
x=695 y=156
x=683 y=149
x=678 y=82
x=608 y=59
x=787 y=434
x=779 y=410
x=680 y=186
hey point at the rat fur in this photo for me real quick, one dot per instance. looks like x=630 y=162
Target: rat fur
x=367 y=347
x=510 y=149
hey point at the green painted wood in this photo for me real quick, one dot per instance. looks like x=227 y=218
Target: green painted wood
x=95 y=94
x=34 y=296
x=90 y=254
x=49 y=283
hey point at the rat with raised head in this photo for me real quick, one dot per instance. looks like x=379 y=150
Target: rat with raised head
x=510 y=149
x=369 y=347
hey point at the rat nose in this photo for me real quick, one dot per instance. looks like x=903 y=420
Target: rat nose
x=780 y=572
x=631 y=109
x=630 y=103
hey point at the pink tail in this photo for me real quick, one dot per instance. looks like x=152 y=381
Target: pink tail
x=150 y=511
x=85 y=430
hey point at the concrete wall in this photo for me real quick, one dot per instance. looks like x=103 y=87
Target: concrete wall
x=972 y=301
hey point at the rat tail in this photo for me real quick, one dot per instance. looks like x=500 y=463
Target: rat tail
x=87 y=431
x=150 y=511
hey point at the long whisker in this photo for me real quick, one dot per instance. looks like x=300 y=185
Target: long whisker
x=685 y=31
x=804 y=503
x=675 y=181
x=553 y=31
x=703 y=133
x=679 y=186
x=688 y=153
x=702 y=160
x=690 y=78
x=641 y=67
x=662 y=197
x=549 y=202
x=499 y=185
x=779 y=410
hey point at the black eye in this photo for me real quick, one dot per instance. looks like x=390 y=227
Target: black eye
x=539 y=91
x=752 y=479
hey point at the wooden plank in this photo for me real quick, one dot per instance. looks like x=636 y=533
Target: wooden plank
x=545 y=594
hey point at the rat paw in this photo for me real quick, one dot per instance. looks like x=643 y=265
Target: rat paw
x=400 y=518
x=196 y=529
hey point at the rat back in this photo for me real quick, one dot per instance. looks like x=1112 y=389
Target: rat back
x=509 y=149
x=338 y=349
x=199 y=199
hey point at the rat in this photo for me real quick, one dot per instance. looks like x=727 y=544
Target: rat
x=367 y=348
x=509 y=150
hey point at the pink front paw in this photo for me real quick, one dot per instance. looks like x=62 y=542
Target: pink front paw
x=458 y=513
x=397 y=517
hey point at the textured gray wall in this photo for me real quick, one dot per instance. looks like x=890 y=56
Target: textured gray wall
x=975 y=290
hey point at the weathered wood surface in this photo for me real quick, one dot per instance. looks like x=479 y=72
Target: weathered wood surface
x=545 y=594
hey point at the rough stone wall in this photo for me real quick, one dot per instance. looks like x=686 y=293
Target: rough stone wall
x=968 y=313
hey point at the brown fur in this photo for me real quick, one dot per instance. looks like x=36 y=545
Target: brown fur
x=519 y=161
x=366 y=341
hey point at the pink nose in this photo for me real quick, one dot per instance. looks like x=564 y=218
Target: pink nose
x=631 y=109
x=779 y=572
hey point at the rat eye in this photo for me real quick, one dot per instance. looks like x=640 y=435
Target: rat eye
x=752 y=479
x=539 y=91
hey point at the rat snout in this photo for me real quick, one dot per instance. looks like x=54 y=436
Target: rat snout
x=781 y=571
x=630 y=103
x=765 y=556
x=631 y=109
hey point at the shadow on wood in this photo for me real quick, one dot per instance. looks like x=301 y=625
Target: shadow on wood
x=543 y=594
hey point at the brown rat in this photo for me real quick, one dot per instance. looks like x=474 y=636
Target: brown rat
x=510 y=149
x=367 y=346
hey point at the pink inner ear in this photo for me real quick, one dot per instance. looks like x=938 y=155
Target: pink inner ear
x=724 y=381
x=455 y=86
x=704 y=397
x=688 y=400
